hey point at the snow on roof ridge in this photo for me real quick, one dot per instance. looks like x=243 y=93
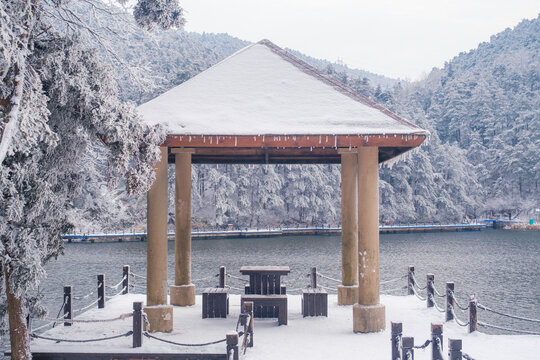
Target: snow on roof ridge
x=195 y=107
x=337 y=85
x=213 y=66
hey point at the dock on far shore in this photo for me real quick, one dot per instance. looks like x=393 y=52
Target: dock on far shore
x=258 y=233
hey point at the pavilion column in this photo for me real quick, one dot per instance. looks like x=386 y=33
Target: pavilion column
x=160 y=315
x=368 y=313
x=348 y=291
x=183 y=291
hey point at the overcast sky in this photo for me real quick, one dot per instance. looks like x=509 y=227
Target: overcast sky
x=396 y=38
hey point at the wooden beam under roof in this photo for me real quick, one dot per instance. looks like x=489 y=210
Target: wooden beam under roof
x=215 y=155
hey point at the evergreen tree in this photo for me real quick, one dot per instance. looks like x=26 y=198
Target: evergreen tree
x=55 y=100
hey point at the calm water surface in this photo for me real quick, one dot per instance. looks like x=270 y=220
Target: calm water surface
x=501 y=267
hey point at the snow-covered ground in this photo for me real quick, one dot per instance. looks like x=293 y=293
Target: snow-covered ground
x=310 y=338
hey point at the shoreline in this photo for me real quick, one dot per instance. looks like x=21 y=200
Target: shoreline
x=518 y=226
x=265 y=233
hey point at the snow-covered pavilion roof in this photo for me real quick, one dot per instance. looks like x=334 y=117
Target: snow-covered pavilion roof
x=264 y=92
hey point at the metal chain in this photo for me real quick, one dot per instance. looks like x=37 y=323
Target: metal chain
x=238 y=322
x=416 y=283
x=463 y=308
x=483 y=307
x=435 y=289
x=299 y=279
x=88 y=306
x=137 y=276
x=82 y=341
x=146 y=321
x=235 y=288
x=118 y=293
x=45 y=325
x=295 y=289
x=328 y=278
x=439 y=347
x=71 y=321
x=423 y=346
x=59 y=311
x=236 y=277
x=245 y=342
x=83 y=297
x=409 y=355
x=418 y=296
x=430 y=296
x=508 y=329
x=137 y=286
x=205 y=278
x=393 y=280
x=117 y=285
x=58 y=319
x=180 y=344
x=463 y=324
x=326 y=287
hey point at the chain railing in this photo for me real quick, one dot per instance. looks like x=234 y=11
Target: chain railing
x=402 y=347
x=452 y=302
x=70 y=311
x=140 y=320
x=58 y=340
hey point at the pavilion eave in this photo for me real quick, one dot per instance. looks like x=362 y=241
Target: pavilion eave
x=286 y=149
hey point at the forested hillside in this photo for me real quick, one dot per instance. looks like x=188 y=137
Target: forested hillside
x=487 y=102
x=481 y=109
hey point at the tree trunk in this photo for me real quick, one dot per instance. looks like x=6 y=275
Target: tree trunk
x=18 y=333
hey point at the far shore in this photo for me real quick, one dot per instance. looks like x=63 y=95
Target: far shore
x=522 y=226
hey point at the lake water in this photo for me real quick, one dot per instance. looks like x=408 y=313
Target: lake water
x=501 y=267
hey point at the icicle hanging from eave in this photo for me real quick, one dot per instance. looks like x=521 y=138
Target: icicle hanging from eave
x=404 y=156
x=393 y=161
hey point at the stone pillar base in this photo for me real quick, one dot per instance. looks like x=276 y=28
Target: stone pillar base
x=347 y=295
x=182 y=295
x=160 y=318
x=368 y=318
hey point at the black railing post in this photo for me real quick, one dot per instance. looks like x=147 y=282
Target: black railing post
x=313 y=276
x=397 y=331
x=29 y=324
x=232 y=345
x=436 y=341
x=137 y=324
x=410 y=280
x=473 y=325
x=68 y=304
x=449 y=301
x=407 y=348
x=454 y=349
x=101 y=291
x=430 y=278
x=222 y=275
x=125 y=279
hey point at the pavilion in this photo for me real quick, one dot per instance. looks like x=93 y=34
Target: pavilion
x=263 y=105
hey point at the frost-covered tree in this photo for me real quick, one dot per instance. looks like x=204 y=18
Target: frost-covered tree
x=165 y=14
x=486 y=102
x=55 y=100
x=480 y=109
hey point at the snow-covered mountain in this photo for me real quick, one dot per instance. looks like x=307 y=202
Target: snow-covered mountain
x=482 y=110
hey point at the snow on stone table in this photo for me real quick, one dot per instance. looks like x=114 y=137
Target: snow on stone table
x=312 y=338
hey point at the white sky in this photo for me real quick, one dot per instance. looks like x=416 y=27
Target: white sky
x=396 y=38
